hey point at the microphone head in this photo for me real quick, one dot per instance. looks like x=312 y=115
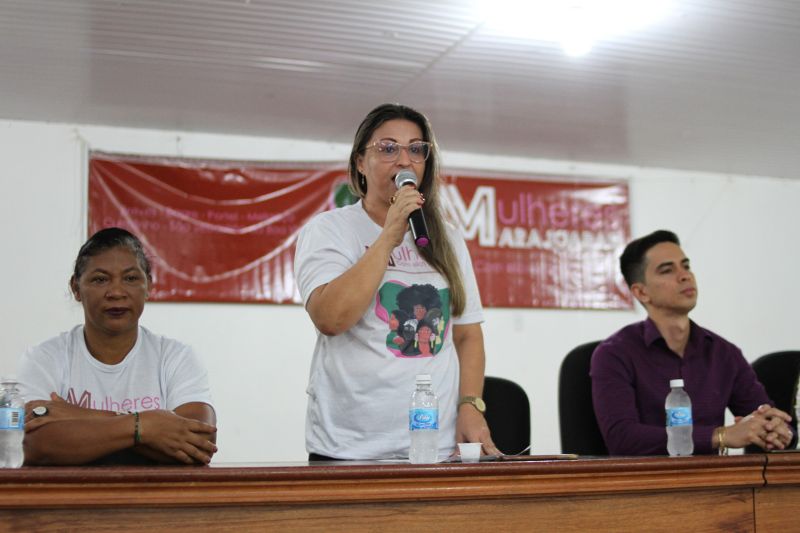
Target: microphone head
x=405 y=177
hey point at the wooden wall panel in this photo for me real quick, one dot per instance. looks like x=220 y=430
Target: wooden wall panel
x=759 y=492
x=696 y=511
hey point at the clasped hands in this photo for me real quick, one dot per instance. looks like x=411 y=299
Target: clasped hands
x=767 y=427
x=163 y=433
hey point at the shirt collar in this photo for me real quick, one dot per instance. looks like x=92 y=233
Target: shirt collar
x=651 y=333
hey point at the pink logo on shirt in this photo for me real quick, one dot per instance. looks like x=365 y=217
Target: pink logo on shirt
x=143 y=403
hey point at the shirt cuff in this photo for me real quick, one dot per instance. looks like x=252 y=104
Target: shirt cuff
x=702 y=439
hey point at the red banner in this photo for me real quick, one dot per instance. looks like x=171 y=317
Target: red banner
x=225 y=231
x=544 y=243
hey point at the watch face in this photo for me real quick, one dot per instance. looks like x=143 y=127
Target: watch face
x=480 y=404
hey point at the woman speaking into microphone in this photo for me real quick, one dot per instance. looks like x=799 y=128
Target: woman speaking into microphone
x=367 y=286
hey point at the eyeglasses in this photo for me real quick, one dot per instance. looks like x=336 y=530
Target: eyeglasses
x=389 y=151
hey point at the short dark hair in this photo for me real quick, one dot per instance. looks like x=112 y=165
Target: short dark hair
x=632 y=263
x=106 y=239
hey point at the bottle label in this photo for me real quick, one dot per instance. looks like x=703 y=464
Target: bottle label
x=12 y=418
x=679 y=416
x=423 y=419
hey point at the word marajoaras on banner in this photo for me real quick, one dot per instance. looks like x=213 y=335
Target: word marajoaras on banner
x=225 y=230
x=544 y=242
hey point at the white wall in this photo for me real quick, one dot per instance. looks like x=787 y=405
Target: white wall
x=741 y=233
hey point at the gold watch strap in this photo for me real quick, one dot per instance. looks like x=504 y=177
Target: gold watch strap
x=475 y=401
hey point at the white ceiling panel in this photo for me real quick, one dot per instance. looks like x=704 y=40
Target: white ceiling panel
x=713 y=87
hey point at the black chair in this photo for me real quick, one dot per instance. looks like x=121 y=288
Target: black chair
x=579 y=430
x=778 y=372
x=508 y=414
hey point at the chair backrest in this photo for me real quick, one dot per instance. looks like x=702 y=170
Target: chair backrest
x=508 y=414
x=778 y=372
x=579 y=430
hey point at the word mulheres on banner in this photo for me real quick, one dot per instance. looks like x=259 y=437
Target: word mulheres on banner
x=224 y=231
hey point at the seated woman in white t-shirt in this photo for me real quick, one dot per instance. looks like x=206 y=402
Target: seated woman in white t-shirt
x=110 y=391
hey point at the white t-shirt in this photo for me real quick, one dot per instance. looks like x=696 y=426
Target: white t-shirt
x=158 y=373
x=361 y=380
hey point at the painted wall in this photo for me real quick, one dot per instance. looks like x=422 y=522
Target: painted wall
x=742 y=234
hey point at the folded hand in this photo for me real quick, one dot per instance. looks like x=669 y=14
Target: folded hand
x=184 y=439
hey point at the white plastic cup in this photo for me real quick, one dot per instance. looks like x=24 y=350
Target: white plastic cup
x=470 y=451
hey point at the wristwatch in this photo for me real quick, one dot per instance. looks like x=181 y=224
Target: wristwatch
x=475 y=401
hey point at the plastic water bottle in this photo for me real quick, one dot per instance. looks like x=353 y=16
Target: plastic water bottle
x=12 y=422
x=679 y=420
x=423 y=423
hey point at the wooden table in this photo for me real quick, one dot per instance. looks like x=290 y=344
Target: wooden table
x=741 y=493
x=777 y=503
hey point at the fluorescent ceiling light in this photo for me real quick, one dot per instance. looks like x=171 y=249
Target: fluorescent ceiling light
x=575 y=24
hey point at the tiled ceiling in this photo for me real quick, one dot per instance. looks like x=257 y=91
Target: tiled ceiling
x=715 y=86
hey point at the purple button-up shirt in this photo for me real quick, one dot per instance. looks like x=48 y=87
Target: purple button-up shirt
x=631 y=371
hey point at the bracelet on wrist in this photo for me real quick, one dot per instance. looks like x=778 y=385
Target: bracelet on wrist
x=137 y=435
x=723 y=450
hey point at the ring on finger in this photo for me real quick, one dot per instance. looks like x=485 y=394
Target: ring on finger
x=394 y=199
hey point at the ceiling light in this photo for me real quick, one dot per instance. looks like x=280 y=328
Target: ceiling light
x=575 y=24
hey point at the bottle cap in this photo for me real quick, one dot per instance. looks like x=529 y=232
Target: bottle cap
x=423 y=378
x=676 y=383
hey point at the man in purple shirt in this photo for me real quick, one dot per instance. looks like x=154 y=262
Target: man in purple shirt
x=631 y=369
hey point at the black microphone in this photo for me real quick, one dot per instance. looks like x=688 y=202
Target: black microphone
x=419 y=230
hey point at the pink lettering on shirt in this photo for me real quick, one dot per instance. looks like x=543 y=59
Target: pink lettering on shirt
x=108 y=403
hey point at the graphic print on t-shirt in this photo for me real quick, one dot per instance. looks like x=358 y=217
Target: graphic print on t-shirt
x=417 y=317
x=107 y=403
